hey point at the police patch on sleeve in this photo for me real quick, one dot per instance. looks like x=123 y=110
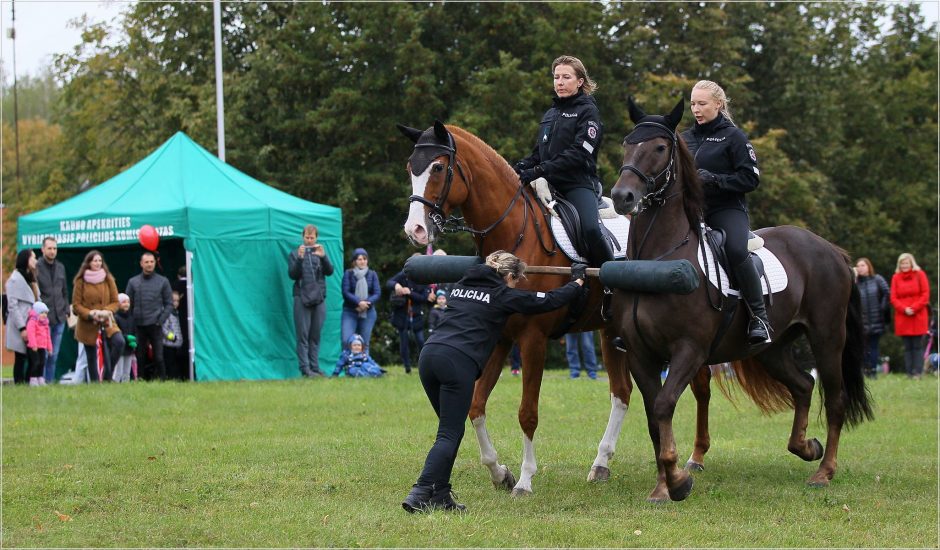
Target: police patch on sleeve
x=750 y=151
x=540 y=294
x=592 y=132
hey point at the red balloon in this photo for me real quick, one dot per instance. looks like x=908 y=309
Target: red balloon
x=148 y=237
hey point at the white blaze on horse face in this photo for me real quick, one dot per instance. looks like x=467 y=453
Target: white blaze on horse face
x=416 y=226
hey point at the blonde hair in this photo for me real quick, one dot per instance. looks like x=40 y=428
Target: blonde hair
x=506 y=264
x=718 y=94
x=589 y=86
x=907 y=256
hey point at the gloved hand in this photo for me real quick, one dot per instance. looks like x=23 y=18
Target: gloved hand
x=530 y=174
x=521 y=165
x=709 y=180
x=577 y=271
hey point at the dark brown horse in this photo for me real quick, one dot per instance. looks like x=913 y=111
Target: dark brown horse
x=450 y=169
x=658 y=185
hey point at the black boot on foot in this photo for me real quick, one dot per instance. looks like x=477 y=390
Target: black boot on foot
x=444 y=500
x=418 y=500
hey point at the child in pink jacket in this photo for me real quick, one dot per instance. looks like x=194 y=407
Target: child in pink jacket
x=38 y=342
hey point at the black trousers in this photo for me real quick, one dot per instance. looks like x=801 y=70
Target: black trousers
x=20 y=367
x=115 y=348
x=585 y=202
x=37 y=360
x=448 y=377
x=150 y=335
x=736 y=226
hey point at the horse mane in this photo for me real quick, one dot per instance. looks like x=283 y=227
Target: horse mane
x=693 y=195
x=499 y=164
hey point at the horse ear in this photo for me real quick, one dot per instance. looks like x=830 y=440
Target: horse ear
x=636 y=114
x=410 y=133
x=441 y=132
x=676 y=115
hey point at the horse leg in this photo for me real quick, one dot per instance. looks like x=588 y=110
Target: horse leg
x=620 y=390
x=828 y=353
x=701 y=389
x=649 y=384
x=499 y=473
x=533 y=363
x=779 y=363
x=686 y=359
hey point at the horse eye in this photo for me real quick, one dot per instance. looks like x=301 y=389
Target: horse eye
x=438 y=168
x=660 y=148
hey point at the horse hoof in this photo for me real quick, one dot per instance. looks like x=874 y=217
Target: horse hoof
x=694 y=466
x=682 y=490
x=817 y=482
x=507 y=483
x=517 y=492
x=817 y=450
x=599 y=473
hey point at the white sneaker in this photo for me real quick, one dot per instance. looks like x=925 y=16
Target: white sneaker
x=33 y=381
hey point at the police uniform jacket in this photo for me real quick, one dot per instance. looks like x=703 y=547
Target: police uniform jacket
x=417 y=299
x=479 y=305
x=721 y=148
x=567 y=144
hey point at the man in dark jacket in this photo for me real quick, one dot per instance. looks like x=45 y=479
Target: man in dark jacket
x=408 y=300
x=53 y=292
x=309 y=266
x=151 y=303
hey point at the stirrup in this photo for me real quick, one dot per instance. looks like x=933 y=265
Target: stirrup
x=767 y=330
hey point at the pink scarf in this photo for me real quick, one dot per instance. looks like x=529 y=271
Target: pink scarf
x=94 y=277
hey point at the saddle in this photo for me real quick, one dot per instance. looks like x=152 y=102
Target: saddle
x=566 y=216
x=715 y=238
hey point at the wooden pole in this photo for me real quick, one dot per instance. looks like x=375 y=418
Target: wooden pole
x=559 y=270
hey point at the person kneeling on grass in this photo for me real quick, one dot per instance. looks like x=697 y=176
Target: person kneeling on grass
x=453 y=357
x=355 y=362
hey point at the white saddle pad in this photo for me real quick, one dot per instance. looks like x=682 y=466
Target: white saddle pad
x=618 y=225
x=776 y=275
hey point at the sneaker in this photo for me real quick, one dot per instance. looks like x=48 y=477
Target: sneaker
x=444 y=500
x=574 y=375
x=33 y=381
x=515 y=372
x=418 y=500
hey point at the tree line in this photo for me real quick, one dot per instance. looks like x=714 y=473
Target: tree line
x=839 y=99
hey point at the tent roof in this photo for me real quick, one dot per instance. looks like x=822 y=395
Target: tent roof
x=182 y=190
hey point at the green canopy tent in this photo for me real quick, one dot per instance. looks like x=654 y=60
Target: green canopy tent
x=233 y=234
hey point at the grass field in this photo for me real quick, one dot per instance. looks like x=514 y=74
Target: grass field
x=327 y=462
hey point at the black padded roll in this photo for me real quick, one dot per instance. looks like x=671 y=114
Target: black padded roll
x=663 y=277
x=439 y=269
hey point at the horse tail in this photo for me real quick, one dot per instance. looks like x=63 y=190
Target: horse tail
x=768 y=394
x=858 y=398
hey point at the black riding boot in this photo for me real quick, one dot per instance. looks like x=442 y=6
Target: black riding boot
x=443 y=499
x=758 y=330
x=600 y=253
x=418 y=500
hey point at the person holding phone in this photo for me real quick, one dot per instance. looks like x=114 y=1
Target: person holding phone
x=309 y=266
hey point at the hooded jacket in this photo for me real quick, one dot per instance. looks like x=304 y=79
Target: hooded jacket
x=722 y=148
x=479 y=305
x=567 y=144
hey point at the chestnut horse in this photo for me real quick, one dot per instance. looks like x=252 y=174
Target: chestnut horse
x=451 y=168
x=659 y=187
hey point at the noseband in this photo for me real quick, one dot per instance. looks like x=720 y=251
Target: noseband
x=654 y=196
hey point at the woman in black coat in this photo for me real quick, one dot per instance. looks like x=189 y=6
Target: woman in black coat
x=727 y=166
x=876 y=303
x=566 y=149
x=453 y=357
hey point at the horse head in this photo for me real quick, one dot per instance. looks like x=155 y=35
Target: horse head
x=431 y=168
x=649 y=160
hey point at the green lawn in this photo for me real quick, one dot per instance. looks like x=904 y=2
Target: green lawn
x=327 y=462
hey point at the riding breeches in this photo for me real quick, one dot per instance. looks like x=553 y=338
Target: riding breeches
x=736 y=226
x=585 y=202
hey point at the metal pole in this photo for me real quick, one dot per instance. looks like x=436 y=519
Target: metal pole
x=16 y=124
x=190 y=315
x=220 y=107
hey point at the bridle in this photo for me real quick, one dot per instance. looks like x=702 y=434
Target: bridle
x=654 y=196
x=437 y=213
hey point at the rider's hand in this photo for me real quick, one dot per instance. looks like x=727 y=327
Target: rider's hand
x=530 y=174
x=577 y=271
x=709 y=180
x=521 y=165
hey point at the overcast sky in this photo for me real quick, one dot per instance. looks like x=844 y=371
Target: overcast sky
x=42 y=28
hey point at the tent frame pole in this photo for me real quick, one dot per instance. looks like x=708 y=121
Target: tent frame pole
x=190 y=313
